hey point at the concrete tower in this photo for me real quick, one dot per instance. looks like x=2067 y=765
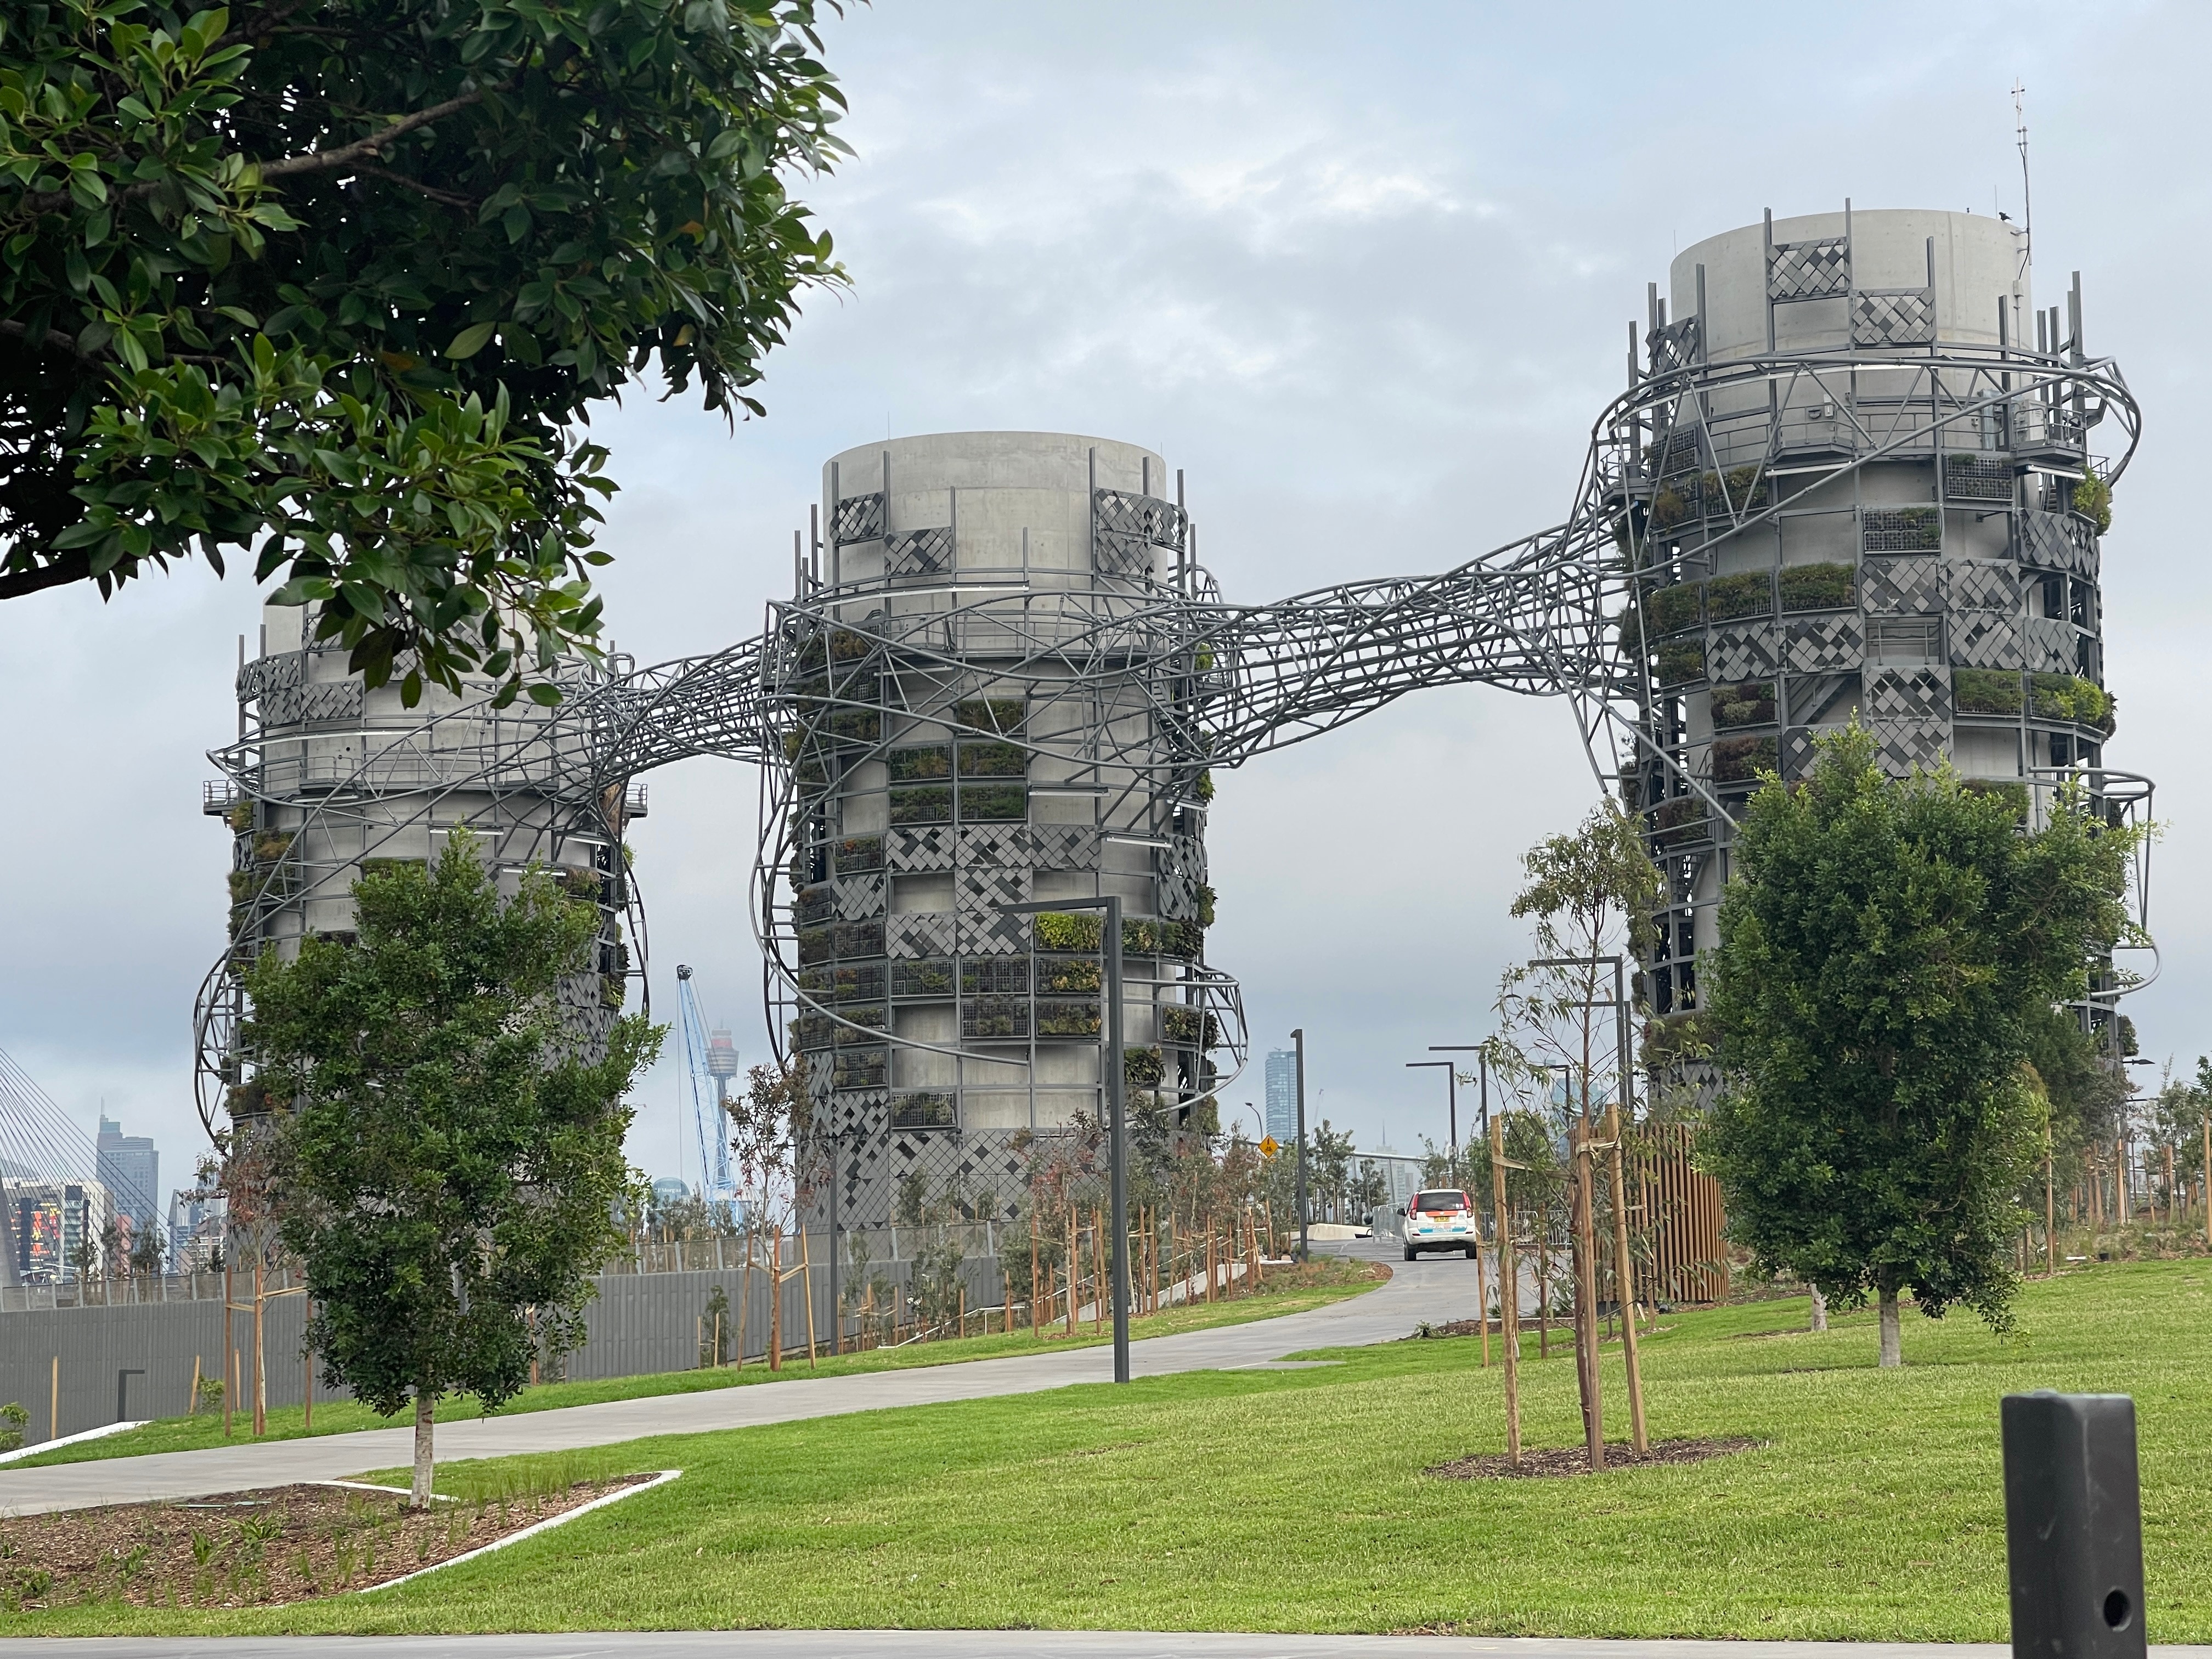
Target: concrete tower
x=1858 y=480
x=982 y=709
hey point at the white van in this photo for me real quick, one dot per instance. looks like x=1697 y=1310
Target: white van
x=1440 y=1220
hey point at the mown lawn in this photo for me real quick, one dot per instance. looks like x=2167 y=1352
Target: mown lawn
x=1295 y=1500
x=1286 y=1290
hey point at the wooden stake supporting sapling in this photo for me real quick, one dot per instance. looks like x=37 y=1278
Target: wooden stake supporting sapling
x=1509 y=1293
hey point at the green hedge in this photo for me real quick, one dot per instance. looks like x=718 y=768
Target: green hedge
x=2070 y=698
x=1068 y=930
x=2014 y=795
x=1746 y=702
x=1817 y=586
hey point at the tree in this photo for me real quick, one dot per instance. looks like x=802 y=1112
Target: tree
x=1887 y=951
x=448 y=1158
x=337 y=284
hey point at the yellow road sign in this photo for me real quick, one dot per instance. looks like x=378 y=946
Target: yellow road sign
x=1269 y=1147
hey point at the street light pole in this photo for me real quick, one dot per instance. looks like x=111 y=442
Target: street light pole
x=1117 y=1116
x=1451 y=1085
x=1305 y=1246
x=1481 y=1053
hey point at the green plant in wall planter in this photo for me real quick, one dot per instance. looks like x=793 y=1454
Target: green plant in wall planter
x=1204 y=788
x=856 y=724
x=1818 y=587
x=1068 y=930
x=993 y=802
x=1674 y=608
x=241 y=817
x=1142 y=1066
x=2069 y=697
x=1069 y=976
x=1668 y=508
x=2093 y=500
x=993 y=760
x=857 y=854
x=1746 y=491
x=1740 y=760
x=920 y=764
x=1681 y=662
x=1986 y=690
x=1746 y=702
x=1747 y=593
x=927 y=803
x=1679 y=822
x=1186 y=940
x=1067 y=1019
x=1205 y=905
x=1004 y=715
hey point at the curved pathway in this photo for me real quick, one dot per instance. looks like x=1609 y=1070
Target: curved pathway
x=1434 y=1288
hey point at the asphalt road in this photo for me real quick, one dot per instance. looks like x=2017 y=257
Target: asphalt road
x=1434 y=1288
x=980 y=1644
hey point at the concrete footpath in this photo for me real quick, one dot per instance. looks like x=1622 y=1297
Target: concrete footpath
x=1434 y=1289
x=982 y=1644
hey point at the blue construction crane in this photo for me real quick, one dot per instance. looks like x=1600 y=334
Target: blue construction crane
x=710 y=1061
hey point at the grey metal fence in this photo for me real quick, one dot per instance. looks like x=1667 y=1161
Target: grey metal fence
x=77 y=1365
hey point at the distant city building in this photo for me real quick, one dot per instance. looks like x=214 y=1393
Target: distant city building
x=196 y=1222
x=53 y=1225
x=1282 y=1095
x=131 y=1170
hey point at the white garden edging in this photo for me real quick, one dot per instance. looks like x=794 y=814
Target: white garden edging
x=68 y=1440
x=600 y=1501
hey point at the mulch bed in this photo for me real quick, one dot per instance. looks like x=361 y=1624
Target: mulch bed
x=257 y=1548
x=1544 y=1463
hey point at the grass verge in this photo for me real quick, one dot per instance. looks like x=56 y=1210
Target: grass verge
x=1286 y=1290
x=1870 y=1509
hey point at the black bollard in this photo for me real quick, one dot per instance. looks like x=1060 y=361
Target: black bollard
x=2073 y=1526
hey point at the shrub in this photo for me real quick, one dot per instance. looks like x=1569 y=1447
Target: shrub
x=1186 y=940
x=856 y=854
x=1680 y=821
x=1817 y=586
x=1740 y=760
x=929 y=803
x=1681 y=660
x=1674 y=607
x=1986 y=690
x=12 y=1417
x=2093 y=500
x=1675 y=1038
x=1748 y=594
x=856 y=724
x=922 y=1110
x=1141 y=937
x=927 y=976
x=1746 y=702
x=1142 y=1066
x=1745 y=489
x=1204 y=788
x=1668 y=508
x=1205 y=905
x=913 y=765
x=993 y=802
x=1068 y=930
x=1067 y=1019
x=241 y=817
x=2013 y=795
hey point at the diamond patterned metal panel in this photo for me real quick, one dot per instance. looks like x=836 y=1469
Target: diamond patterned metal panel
x=906 y=850
x=2050 y=645
x=1674 y=346
x=1117 y=553
x=919 y=552
x=995 y=843
x=1743 y=654
x=1797 y=750
x=858 y=518
x=1893 y=316
x=1908 y=694
x=993 y=933
x=265 y=674
x=290 y=705
x=1983 y=638
x=1901 y=586
x=1809 y=271
x=856 y=898
x=1825 y=645
x=1909 y=746
x=922 y=933
x=1064 y=846
x=982 y=886
x=1983 y=585
x=1148 y=517
x=2055 y=541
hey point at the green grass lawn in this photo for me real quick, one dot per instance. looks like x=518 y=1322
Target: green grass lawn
x=1295 y=1500
x=1286 y=1290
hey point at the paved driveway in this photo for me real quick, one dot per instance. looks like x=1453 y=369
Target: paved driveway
x=1433 y=1288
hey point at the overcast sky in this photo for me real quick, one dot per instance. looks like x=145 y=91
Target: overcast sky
x=1362 y=272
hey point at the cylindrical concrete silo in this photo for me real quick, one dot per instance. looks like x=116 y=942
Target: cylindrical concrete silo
x=1858 y=480
x=985 y=699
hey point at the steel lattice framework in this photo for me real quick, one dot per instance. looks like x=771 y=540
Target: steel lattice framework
x=1689 y=672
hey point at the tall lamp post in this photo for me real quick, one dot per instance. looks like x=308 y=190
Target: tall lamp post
x=1117 y=1138
x=1481 y=1053
x=1451 y=1088
x=1305 y=1244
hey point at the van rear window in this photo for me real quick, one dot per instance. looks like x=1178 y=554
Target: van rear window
x=1440 y=1201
